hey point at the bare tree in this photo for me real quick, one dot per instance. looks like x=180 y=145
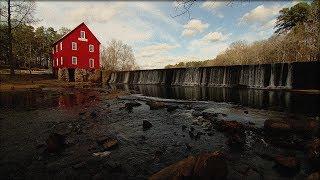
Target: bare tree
x=15 y=13
x=184 y=7
x=118 y=56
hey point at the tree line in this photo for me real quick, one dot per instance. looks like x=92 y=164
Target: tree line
x=296 y=38
x=31 y=47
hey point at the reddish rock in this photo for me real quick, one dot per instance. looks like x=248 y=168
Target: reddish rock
x=156 y=105
x=293 y=125
x=110 y=144
x=183 y=168
x=211 y=166
x=205 y=166
x=314 y=176
x=277 y=125
x=287 y=162
x=313 y=149
x=230 y=126
x=55 y=143
x=236 y=141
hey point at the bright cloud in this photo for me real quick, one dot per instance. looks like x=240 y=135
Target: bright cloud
x=209 y=38
x=213 y=7
x=260 y=14
x=156 y=49
x=193 y=27
x=95 y=13
x=214 y=36
x=210 y=5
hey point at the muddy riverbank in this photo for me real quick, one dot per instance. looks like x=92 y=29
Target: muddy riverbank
x=96 y=133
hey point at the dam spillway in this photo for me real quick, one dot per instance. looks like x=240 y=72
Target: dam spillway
x=297 y=75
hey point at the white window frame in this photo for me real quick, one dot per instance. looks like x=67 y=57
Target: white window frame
x=84 y=34
x=76 y=60
x=57 y=62
x=56 y=47
x=60 y=46
x=53 y=50
x=61 y=60
x=91 y=60
x=74 y=44
x=91 y=46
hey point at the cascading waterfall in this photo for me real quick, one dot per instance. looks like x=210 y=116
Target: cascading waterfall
x=191 y=77
x=278 y=75
x=289 y=77
x=272 y=76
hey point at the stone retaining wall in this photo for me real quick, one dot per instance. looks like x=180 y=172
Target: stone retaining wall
x=63 y=74
x=80 y=75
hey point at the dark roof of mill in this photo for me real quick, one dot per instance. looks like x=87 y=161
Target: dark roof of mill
x=72 y=32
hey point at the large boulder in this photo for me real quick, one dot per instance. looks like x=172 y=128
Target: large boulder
x=204 y=166
x=313 y=151
x=314 y=176
x=130 y=105
x=236 y=141
x=287 y=162
x=229 y=126
x=211 y=166
x=183 y=168
x=55 y=143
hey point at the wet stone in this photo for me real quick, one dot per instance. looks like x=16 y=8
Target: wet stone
x=146 y=125
x=130 y=105
x=93 y=115
x=211 y=166
x=314 y=176
x=154 y=105
x=287 y=165
x=55 y=143
x=171 y=108
x=184 y=127
x=313 y=151
x=236 y=141
x=108 y=143
x=182 y=168
x=79 y=165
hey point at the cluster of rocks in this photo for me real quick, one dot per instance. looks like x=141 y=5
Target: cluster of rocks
x=234 y=130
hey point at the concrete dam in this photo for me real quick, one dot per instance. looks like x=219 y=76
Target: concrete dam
x=296 y=75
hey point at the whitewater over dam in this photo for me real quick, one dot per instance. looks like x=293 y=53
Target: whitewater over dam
x=297 y=75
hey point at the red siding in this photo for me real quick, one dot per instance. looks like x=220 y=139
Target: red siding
x=82 y=53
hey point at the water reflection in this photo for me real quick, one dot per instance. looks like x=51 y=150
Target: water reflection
x=47 y=99
x=273 y=100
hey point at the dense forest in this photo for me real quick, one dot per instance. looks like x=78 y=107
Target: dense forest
x=31 y=46
x=296 y=38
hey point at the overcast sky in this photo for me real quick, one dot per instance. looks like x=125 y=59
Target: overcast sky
x=156 y=37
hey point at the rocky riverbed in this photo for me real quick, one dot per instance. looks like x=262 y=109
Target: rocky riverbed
x=96 y=133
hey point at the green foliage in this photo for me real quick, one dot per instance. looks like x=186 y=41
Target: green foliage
x=31 y=47
x=291 y=17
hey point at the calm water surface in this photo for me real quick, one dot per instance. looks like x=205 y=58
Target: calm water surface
x=279 y=100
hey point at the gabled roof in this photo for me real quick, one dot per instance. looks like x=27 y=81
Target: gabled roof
x=63 y=37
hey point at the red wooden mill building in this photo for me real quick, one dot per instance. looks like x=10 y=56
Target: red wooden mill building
x=76 y=56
